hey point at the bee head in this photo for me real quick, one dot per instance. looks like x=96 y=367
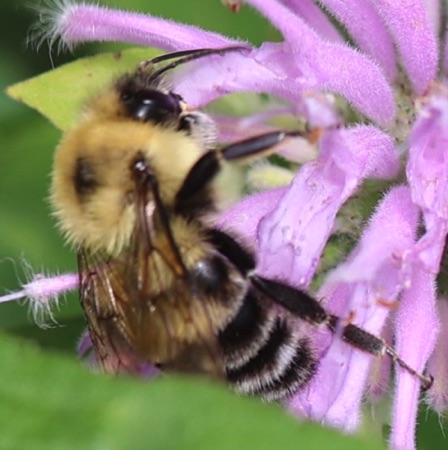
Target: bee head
x=143 y=100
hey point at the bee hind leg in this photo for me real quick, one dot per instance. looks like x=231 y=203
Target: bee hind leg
x=304 y=306
x=309 y=309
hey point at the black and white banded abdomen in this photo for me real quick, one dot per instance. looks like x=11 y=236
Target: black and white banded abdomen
x=264 y=352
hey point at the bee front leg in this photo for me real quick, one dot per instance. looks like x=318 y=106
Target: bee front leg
x=209 y=165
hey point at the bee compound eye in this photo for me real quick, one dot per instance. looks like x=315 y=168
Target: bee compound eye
x=152 y=105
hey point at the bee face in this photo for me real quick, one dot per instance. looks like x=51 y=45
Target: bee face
x=93 y=190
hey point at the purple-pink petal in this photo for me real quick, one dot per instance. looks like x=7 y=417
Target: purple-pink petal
x=84 y=346
x=379 y=255
x=334 y=67
x=86 y=353
x=304 y=61
x=380 y=371
x=268 y=69
x=41 y=289
x=416 y=332
x=82 y=22
x=320 y=110
x=233 y=128
x=437 y=396
x=314 y=16
x=445 y=56
x=368 y=30
x=244 y=217
x=434 y=13
x=334 y=395
x=42 y=286
x=359 y=290
x=200 y=84
x=427 y=168
x=293 y=236
x=427 y=172
x=414 y=36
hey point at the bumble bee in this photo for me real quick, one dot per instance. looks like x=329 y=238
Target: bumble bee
x=133 y=188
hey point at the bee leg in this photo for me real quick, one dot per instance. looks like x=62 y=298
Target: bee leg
x=145 y=179
x=374 y=345
x=240 y=257
x=264 y=144
x=307 y=308
x=209 y=165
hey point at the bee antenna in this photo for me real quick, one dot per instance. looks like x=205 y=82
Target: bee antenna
x=186 y=56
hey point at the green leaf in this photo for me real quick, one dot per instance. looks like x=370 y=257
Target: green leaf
x=48 y=401
x=60 y=94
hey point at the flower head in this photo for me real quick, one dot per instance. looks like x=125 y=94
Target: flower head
x=395 y=117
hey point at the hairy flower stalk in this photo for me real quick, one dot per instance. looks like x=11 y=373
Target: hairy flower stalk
x=389 y=77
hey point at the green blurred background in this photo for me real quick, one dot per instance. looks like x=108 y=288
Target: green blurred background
x=29 y=242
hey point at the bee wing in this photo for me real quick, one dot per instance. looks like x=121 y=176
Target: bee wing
x=171 y=320
x=142 y=306
x=99 y=291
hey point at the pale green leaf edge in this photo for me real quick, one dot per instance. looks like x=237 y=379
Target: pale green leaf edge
x=60 y=93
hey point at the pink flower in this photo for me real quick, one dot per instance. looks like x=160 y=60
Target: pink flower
x=388 y=281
